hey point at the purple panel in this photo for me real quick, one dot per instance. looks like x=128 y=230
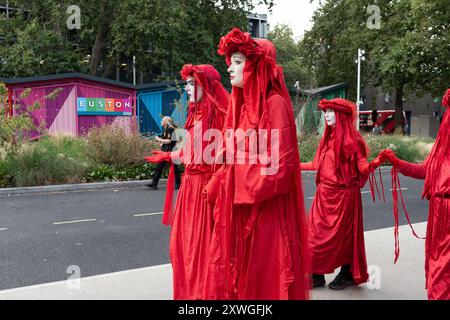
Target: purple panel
x=91 y=92
x=39 y=115
x=87 y=122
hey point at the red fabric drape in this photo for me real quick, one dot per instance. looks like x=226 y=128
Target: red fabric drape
x=191 y=221
x=436 y=172
x=259 y=248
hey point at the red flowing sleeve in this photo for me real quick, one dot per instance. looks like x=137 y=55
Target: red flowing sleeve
x=364 y=167
x=413 y=170
x=251 y=184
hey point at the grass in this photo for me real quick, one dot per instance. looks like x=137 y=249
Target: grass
x=110 y=154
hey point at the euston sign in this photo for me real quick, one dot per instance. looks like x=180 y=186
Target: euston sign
x=104 y=107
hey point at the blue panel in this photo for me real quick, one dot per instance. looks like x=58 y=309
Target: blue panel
x=150 y=111
x=169 y=98
x=179 y=114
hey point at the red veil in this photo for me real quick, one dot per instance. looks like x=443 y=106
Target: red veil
x=263 y=78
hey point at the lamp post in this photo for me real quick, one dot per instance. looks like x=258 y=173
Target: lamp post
x=134 y=70
x=358 y=89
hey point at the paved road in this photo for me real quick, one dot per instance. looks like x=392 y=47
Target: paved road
x=112 y=230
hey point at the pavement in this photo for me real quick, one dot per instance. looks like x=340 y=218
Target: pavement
x=403 y=281
x=109 y=239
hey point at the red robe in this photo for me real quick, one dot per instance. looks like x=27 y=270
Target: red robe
x=335 y=224
x=437 y=245
x=192 y=219
x=258 y=245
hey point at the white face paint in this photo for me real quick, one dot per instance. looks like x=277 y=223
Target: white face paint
x=236 y=69
x=191 y=87
x=330 y=117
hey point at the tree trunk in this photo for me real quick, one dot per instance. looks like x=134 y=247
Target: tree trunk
x=398 y=117
x=99 y=45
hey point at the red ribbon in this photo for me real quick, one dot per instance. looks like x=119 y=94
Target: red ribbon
x=395 y=188
x=168 y=204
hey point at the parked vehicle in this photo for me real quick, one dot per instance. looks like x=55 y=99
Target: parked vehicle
x=379 y=121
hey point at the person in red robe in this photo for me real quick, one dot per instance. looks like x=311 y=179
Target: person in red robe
x=335 y=224
x=191 y=220
x=435 y=170
x=259 y=239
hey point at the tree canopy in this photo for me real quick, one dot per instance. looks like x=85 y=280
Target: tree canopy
x=162 y=34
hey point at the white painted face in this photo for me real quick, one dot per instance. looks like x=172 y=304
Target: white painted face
x=330 y=117
x=190 y=90
x=236 y=69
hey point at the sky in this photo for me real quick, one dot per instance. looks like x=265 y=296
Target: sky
x=295 y=13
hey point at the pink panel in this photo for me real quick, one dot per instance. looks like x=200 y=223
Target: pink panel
x=54 y=106
x=65 y=120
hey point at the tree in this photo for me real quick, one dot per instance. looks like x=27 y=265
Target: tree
x=161 y=34
x=409 y=52
x=288 y=56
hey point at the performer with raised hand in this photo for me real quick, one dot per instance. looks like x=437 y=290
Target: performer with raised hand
x=435 y=170
x=335 y=225
x=192 y=219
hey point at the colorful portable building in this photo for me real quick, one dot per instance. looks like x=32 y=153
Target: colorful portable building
x=86 y=101
x=83 y=102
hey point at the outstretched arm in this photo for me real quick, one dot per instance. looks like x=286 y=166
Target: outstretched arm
x=408 y=169
x=308 y=166
x=365 y=167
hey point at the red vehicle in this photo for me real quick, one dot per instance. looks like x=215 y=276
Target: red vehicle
x=379 y=121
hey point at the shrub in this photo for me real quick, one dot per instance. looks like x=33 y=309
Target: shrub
x=113 y=146
x=413 y=149
x=108 y=173
x=307 y=146
x=49 y=161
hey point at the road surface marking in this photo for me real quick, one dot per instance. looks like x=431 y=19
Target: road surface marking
x=362 y=192
x=75 y=221
x=402 y=189
x=3 y=229
x=148 y=214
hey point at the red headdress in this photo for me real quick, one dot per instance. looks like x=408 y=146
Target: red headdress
x=262 y=79
x=262 y=75
x=347 y=141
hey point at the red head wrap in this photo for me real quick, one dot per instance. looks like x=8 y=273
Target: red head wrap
x=262 y=75
x=347 y=140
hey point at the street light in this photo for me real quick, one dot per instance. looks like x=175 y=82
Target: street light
x=358 y=89
x=134 y=70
